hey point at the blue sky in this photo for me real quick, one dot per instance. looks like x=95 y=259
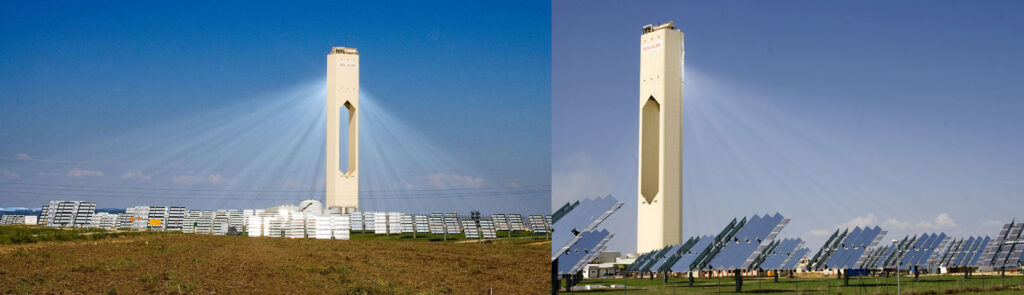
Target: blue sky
x=834 y=114
x=221 y=98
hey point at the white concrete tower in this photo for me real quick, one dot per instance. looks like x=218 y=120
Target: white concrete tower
x=660 y=192
x=342 y=177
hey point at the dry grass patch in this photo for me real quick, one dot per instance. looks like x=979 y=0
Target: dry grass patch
x=178 y=263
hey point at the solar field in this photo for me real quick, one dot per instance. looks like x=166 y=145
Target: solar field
x=749 y=252
x=745 y=244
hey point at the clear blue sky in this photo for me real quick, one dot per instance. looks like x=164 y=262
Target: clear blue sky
x=472 y=78
x=904 y=114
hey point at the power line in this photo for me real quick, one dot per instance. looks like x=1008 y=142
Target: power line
x=172 y=197
x=184 y=168
x=164 y=190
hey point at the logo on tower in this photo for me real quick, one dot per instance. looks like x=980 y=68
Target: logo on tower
x=650 y=46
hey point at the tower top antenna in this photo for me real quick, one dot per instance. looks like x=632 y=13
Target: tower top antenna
x=651 y=28
x=344 y=50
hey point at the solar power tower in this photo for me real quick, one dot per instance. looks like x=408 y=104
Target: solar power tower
x=342 y=177
x=660 y=185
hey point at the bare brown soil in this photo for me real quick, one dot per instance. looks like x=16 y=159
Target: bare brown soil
x=180 y=263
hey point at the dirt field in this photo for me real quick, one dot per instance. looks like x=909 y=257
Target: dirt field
x=185 y=263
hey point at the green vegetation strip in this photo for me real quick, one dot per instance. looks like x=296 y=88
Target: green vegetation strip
x=946 y=284
x=12 y=235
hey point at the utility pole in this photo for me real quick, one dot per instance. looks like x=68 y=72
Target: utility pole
x=899 y=262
